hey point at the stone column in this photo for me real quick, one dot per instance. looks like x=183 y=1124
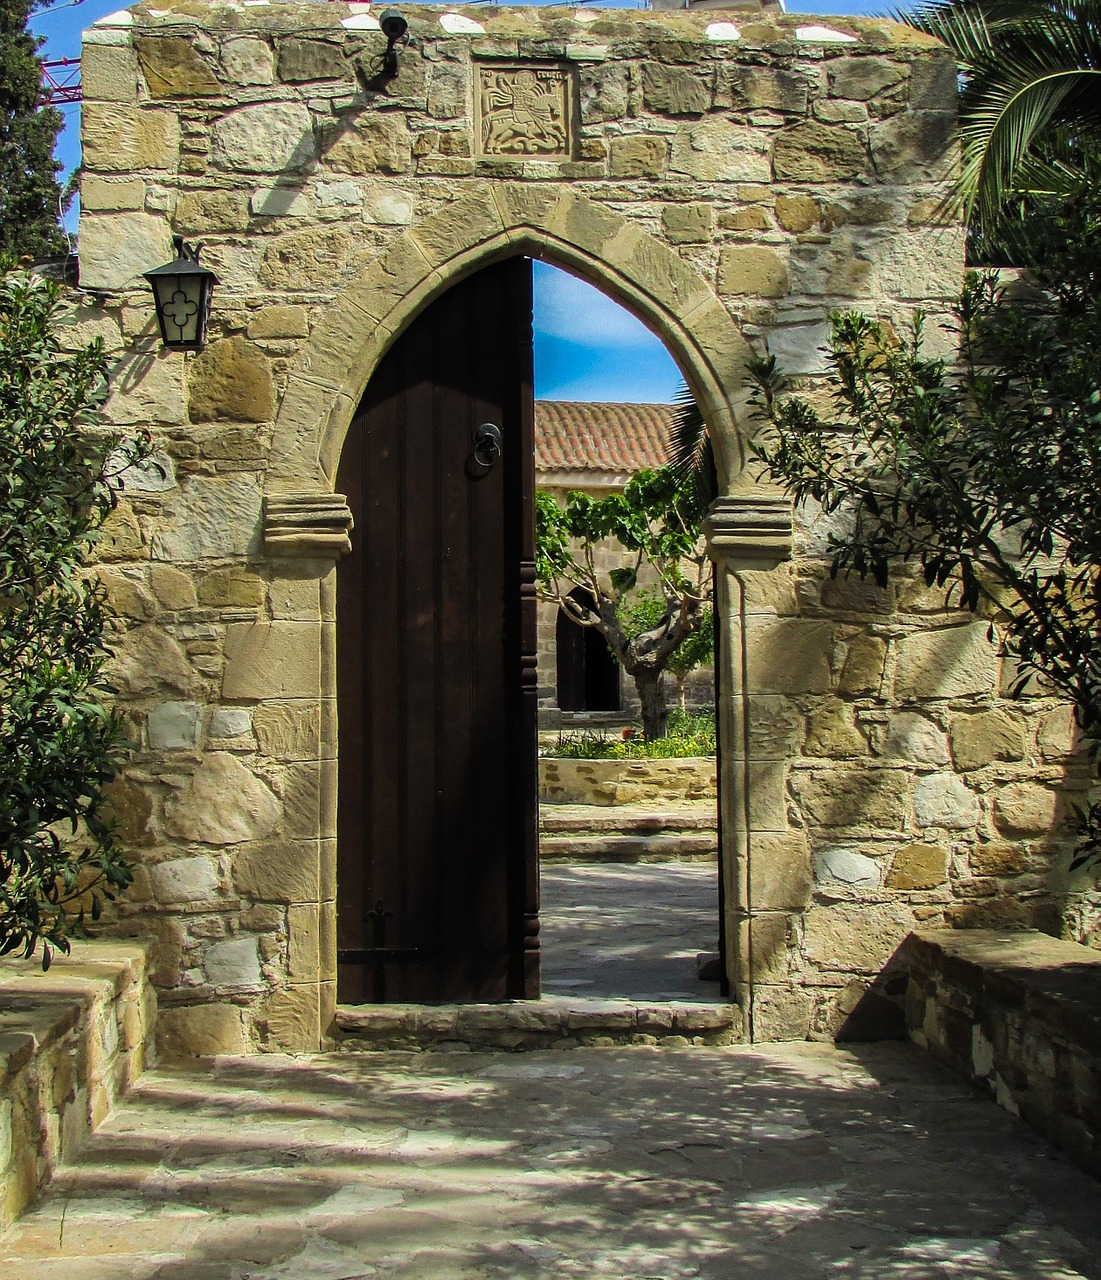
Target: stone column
x=304 y=534
x=748 y=532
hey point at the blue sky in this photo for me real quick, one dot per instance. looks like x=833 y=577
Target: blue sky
x=586 y=346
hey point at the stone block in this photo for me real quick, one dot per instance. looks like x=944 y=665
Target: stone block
x=116 y=248
x=943 y=800
x=130 y=807
x=1026 y=809
x=212 y=518
x=107 y=195
x=1057 y=733
x=186 y=880
x=752 y=269
x=832 y=733
x=771 y=946
x=303 y=59
x=277 y=871
x=223 y=803
x=999 y=858
x=860 y=79
x=230 y=722
x=304 y=942
x=271 y=660
x=233 y=964
x=279 y=322
x=779 y=872
x=154 y=389
x=300 y=259
x=862 y=667
x=289 y=1020
x=638 y=157
x=150 y=662
x=816 y=152
x=247 y=60
x=751 y=218
x=126 y=593
x=847 y=867
x=281 y=202
x=128 y=139
x=173 y=67
x=370 y=144
x=174 y=726
x=913 y=145
x=208 y=212
x=979 y=740
x=855 y=936
x=788 y=655
x=767 y=89
x=721 y=150
x=781 y=1013
x=955 y=662
x=797 y=213
x=916 y=739
x=173 y=588
x=918 y=866
x=201 y=1031
x=231 y=381
x=288 y=731
x=108 y=73
x=687 y=223
x=264 y=137
x=845 y=797
x=231 y=588
x=674 y=91
x=800 y=349
x=934 y=82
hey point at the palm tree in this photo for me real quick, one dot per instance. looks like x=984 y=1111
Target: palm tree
x=1030 y=101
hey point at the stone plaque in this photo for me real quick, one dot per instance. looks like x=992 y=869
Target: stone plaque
x=525 y=111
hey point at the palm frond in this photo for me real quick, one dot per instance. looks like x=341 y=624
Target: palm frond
x=689 y=448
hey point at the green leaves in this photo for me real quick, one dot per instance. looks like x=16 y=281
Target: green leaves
x=58 y=857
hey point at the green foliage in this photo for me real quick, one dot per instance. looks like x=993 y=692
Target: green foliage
x=57 y=852
x=686 y=735
x=987 y=474
x=29 y=192
x=1030 y=106
x=656 y=519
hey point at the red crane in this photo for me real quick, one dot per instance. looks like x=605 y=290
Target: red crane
x=60 y=81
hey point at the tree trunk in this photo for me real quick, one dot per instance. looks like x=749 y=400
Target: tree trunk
x=651 y=692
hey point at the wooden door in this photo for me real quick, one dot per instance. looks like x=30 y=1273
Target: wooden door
x=437 y=860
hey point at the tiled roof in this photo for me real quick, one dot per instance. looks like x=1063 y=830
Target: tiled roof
x=610 y=439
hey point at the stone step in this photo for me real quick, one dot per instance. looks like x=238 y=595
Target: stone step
x=554 y=1022
x=594 y=819
x=693 y=847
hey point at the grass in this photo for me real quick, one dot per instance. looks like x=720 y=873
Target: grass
x=687 y=734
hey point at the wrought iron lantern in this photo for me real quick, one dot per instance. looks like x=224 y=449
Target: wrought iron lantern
x=182 y=291
x=396 y=30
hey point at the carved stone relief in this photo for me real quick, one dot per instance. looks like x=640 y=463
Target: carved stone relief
x=525 y=111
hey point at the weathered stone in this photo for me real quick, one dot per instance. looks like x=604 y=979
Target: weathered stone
x=797 y=213
x=829 y=111
x=247 y=60
x=223 y=803
x=150 y=663
x=800 y=348
x=915 y=738
x=781 y=1013
x=131 y=809
x=832 y=733
x=931 y=213
x=190 y=880
x=108 y=73
x=281 y=202
x=934 y=82
x=126 y=139
x=311 y=59
x=446 y=93
x=844 y=797
x=304 y=942
x=154 y=389
x=752 y=269
x=389 y=207
x=265 y=137
x=982 y=739
x=999 y=858
x=847 y=867
x=206 y=212
x=288 y=731
x=370 y=145
x=230 y=722
x=719 y=150
x=857 y=937
x=918 y=866
x=638 y=157
x=231 y=380
x=912 y=143
x=862 y=78
x=266 y=660
x=1025 y=809
x=233 y=964
x=111 y=195
x=173 y=589
x=230 y=588
x=277 y=871
x=174 y=68
x=120 y=536
x=687 y=223
x=788 y=655
x=765 y=88
x=213 y=517
x=751 y=218
x=815 y=152
x=279 y=322
x=1057 y=733
x=779 y=872
x=201 y=1031
x=862 y=669
x=955 y=662
x=674 y=91
x=942 y=800
x=290 y=1019
x=174 y=726
x=116 y=248
x=304 y=259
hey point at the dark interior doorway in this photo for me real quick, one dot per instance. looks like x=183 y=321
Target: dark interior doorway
x=588 y=675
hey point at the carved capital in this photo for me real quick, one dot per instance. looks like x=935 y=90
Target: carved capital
x=749 y=530
x=307 y=524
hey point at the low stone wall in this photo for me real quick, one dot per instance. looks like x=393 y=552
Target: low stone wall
x=71 y=1040
x=1020 y=1014
x=610 y=782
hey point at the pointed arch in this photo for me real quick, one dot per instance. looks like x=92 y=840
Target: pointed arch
x=501 y=220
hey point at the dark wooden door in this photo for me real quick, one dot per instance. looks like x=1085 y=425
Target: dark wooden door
x=437 y=860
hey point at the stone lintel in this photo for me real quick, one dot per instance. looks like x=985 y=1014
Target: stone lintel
x=749 y=530
x=307 y=524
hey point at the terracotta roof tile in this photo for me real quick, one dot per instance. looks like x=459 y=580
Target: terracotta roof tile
x=611 y=438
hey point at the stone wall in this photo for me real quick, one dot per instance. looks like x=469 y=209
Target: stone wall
x=730 y=179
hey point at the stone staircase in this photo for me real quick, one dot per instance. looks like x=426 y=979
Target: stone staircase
x=627 y=833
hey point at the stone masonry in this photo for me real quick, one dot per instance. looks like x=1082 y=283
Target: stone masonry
x=730 y=178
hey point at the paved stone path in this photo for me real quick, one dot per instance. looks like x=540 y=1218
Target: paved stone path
x=631 y=931
x=773 y=1163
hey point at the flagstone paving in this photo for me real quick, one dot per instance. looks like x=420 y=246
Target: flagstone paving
x=782 y=1161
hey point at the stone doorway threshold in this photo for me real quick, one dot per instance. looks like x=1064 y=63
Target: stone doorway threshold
x=619 y=967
